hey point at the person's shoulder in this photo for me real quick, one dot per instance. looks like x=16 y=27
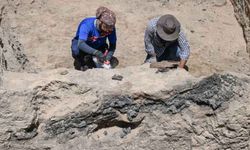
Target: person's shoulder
x=152 y=22
x=87 y=23
x=151 y=26
x=155 y=18
x=182 y=31
x=88 y=20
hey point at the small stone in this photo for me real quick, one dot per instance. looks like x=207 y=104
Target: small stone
x=122 y=135
x=220 y=3
x=117 y=77
x=125 y=131
x=64 y=72
x=131 y=114
x=105 y=133
x=82 y=124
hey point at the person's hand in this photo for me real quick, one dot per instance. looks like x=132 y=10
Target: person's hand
x=107 y=62
x=182 y=63
x=99 y=56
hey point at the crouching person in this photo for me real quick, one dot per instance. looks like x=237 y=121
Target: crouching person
x=165 y=41
x=89 y=46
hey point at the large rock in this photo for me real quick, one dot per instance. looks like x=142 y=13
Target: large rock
x=12 y=55
x=242 y=13
x=145 y=110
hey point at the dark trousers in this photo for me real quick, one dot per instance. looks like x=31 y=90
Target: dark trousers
x=171 y=53
x=83 y=61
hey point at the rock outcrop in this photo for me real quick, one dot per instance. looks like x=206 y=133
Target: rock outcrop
x=242 y=13
x=175 y=111
x=12 y=57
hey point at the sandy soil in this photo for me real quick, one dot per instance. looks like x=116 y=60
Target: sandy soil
x=45 y=28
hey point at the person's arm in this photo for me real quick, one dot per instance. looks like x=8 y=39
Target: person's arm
x=182 y=63
x=149 y=48
x=112 y=45
x=111 y=51
x=184 y=49
x=83 y=46
x=148 y=38
x=83 y=37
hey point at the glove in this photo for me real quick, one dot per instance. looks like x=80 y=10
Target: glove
x=99 y=56
x=109 y=55
x=108 y=58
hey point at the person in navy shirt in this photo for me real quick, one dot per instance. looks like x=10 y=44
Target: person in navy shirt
x=91 y=40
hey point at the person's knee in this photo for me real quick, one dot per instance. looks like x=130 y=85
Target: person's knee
x=87 y=58
x=88 y=61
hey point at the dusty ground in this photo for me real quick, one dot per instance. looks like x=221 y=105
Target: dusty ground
x=45 y=28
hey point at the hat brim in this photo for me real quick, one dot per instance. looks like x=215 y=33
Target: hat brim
x=169 y=37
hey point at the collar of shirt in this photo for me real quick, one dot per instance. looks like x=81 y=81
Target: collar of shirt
x=95 y=23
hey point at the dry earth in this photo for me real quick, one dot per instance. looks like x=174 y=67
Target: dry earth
x=45 y=29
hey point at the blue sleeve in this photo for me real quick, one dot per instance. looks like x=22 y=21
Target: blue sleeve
x=83 y=46
x=112 y=37
x=84 y=32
